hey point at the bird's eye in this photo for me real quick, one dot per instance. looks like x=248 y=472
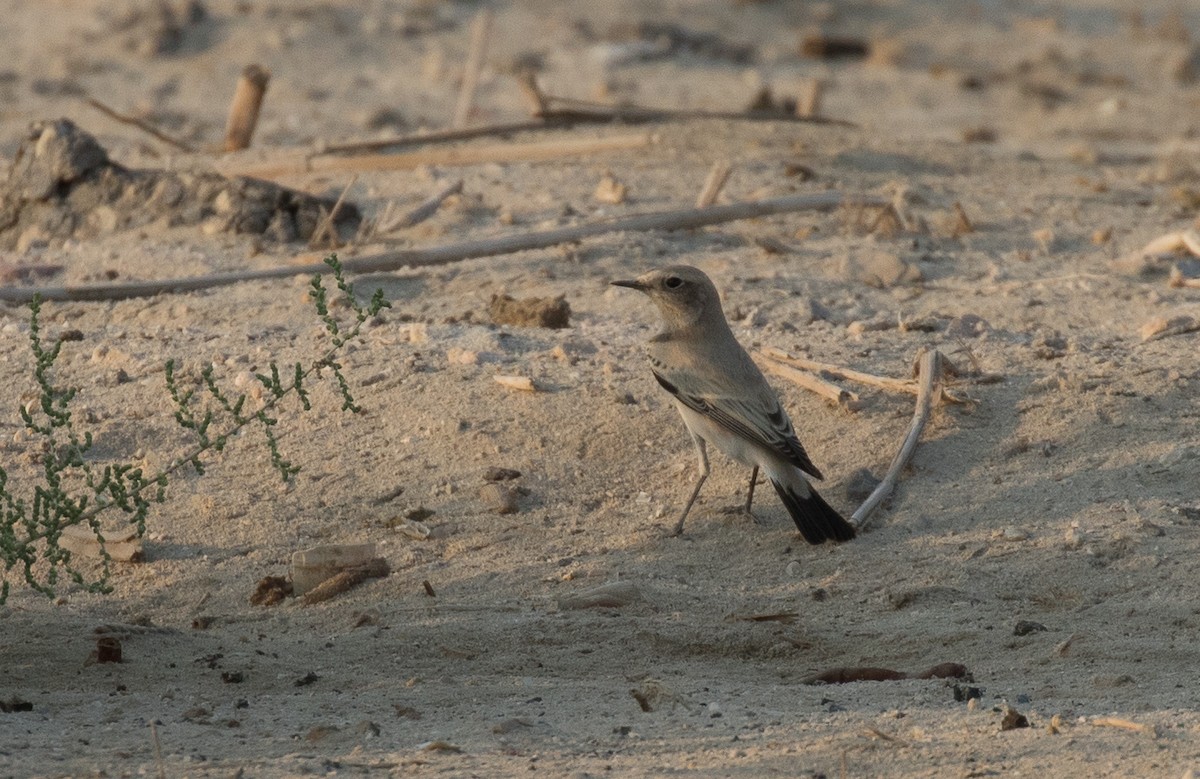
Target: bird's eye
x=673 y=282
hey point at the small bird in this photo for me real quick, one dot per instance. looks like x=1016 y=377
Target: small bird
x=724 y=399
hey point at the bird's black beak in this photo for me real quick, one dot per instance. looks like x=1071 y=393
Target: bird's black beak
x=631 y=283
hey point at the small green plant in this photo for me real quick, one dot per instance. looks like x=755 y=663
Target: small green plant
x=75 y=491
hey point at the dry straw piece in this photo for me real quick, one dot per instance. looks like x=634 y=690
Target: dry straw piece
x=294 y=164
x=243 y=111
x=931 y=372
x=718 y=174
x=480 y=28
x=684 y=219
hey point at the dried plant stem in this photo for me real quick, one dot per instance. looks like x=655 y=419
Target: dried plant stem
x=1124 y=724
x=685 y=219
x=930 y=372
x=580 y=112
x=480 y=28
x=466 y=155
x=718 y=174
x=426 y=209
x=870 y=379
x=809 y=104
x=437 y=136
x=140 y=124
x=243 y=111
x=808 y=381
x=158 y=758
x=346 y=580
x=326 y=225
x=590 y=111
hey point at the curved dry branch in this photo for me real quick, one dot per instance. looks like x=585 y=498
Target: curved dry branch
x=685 y=219
x=931 y=370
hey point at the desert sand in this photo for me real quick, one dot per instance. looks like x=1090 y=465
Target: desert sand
x=1045 y=535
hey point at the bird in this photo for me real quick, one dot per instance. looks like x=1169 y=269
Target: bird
x=725 y=400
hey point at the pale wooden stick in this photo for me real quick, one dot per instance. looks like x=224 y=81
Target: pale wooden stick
x=809 y=104
x=422 y=212
x=436 y=136
x=346 y=579
x=243 y=111
x=480 y=27
x=685 y=219
x=808 y=381
x=141 y=124
x=718 y=174
x=587 y=110
x=930 y=371
x=158 y=758
x=547 y=118
x=461 y=156
x=883 y=382
x=327 y=224
x=535 y=99
x=1124 y=724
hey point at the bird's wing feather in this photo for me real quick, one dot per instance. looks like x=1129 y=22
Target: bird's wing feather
x=758 y=418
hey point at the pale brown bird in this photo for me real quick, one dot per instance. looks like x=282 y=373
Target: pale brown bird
x=724 y=399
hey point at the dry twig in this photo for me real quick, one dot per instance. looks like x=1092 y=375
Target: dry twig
x=436 y=136
x=426 y=209
x=480 y=28
x=1164 y=327
x=584 y=111
x=685 y=219
x=158 y=758
x=466 y=155
x=1124 y=724
x=346 y=580
x=140 y=124
x=578 y=112
x=326 y=226
x=243 y=111
x=809 y=381
x=809 y=104
x=930 y=372
x=718 y=174
x=870 y=379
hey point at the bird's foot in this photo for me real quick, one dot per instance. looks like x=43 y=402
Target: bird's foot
x=741 y=510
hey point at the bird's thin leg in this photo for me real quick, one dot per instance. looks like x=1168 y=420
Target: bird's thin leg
x=702 y=452
x=750 y=491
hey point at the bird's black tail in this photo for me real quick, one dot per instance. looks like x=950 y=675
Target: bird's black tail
x=817 y=520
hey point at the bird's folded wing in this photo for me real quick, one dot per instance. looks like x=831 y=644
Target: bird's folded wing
x=758 y=419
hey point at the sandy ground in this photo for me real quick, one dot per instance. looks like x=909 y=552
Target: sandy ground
x=1064 y=495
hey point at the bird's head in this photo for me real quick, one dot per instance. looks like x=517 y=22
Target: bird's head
x=683 y=294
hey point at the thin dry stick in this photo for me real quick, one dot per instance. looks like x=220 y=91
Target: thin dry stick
x=141 y=124
x=808 y=381
x=422 y=212
x=535 y=99
x=931 y=376
x=465 y=155
x=809 y=104
x=547 y=118
x=883 y=382
x=685 y=219
x=1124 y=724
x=243 y=111
x=437 y=136
x=718 y=174
x=327 y=224
x=587 y=110
x=162 y=769
x=480 y=27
